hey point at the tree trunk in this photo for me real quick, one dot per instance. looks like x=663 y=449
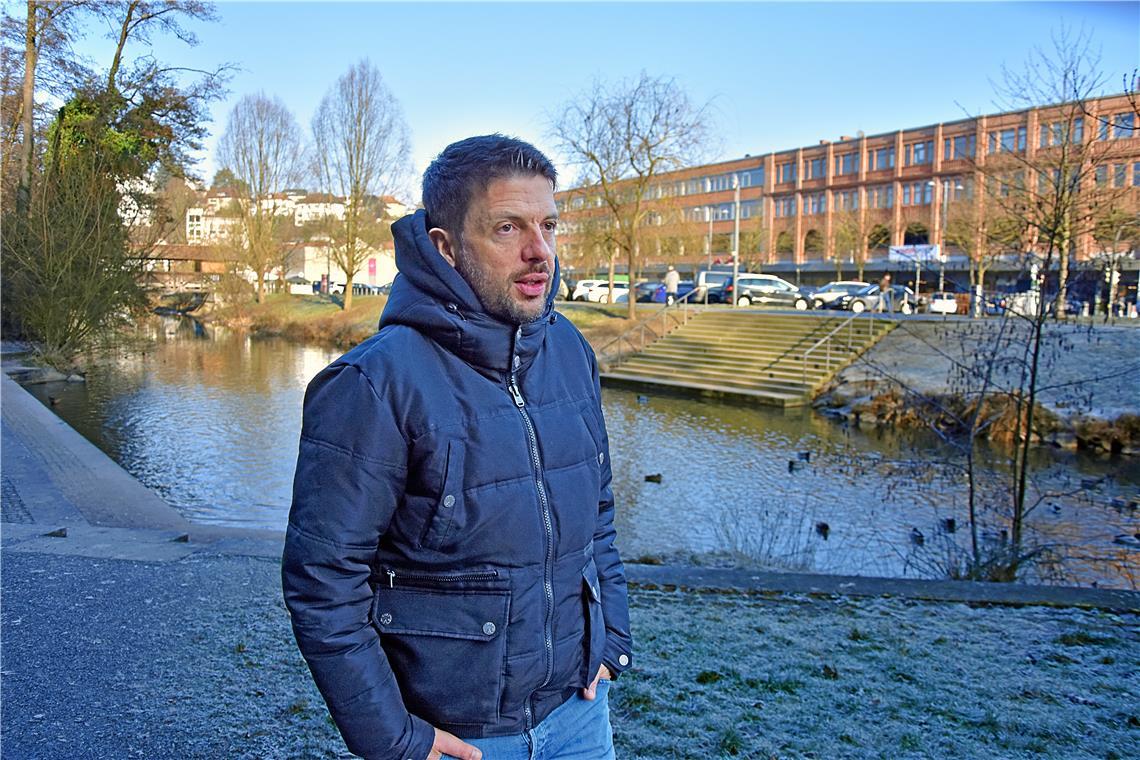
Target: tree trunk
x=634 y=251
x=347 y=292
x=23 y=194
x=261 y=287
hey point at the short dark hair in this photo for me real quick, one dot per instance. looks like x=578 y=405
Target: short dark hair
x=468 y=166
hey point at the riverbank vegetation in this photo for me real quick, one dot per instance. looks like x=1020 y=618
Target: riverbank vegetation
x=322 y=320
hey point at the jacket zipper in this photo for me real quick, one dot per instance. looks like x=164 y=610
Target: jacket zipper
x=432 y=578
x=547 y=571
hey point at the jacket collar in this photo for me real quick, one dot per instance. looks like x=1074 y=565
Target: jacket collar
x=431 y=296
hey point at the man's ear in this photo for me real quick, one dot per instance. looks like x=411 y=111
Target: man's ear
x=443 y=243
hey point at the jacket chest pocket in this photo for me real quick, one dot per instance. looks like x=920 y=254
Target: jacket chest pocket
x=450 y=499
x=447 y=650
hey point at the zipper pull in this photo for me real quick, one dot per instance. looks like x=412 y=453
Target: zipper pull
x=516 y=394
x=391 y=578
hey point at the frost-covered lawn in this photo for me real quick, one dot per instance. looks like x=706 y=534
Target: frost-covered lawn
x=722 y=675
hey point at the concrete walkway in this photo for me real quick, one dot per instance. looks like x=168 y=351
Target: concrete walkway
x=128 y=631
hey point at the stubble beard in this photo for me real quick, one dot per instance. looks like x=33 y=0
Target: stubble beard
x=496 y=295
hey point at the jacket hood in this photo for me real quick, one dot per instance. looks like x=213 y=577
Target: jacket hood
x=430 y=296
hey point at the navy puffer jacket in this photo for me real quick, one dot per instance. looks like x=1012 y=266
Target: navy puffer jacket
x=450 y=555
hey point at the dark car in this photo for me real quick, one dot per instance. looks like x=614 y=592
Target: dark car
x=765 y=289
x=901 y=299
x=654 y=292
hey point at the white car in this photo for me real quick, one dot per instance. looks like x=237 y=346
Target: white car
x=582 y=288
x=601 y=293
x=833 y=290
x=943 y=303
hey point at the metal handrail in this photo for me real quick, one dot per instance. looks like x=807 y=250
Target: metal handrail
x=827 y=342
x=681 y=304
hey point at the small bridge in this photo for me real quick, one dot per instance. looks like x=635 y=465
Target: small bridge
x=774 y=358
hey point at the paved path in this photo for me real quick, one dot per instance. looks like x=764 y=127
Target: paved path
x=129 y=632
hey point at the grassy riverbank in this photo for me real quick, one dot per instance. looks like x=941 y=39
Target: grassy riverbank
x=320 y=320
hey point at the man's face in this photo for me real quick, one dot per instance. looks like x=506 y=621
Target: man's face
x=507 y=249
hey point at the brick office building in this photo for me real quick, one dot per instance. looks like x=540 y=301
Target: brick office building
x=795 y=204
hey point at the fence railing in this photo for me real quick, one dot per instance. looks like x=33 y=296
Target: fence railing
x=825 y=344
x=645 y=331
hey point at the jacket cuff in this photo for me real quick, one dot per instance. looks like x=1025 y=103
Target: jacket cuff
x=617 y=656
x=423 y=739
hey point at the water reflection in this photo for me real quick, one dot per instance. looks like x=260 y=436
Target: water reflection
x=210 y=420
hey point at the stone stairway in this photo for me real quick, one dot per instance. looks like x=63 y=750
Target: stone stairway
x=752 y=353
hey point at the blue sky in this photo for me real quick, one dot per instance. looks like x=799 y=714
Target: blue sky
x=777 y=75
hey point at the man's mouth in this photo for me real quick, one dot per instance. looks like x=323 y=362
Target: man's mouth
x=532 y=285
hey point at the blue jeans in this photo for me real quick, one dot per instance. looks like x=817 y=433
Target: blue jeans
x=578 y=729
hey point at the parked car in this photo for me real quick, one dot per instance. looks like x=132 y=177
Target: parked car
x=766 y=289
x=654 y=292
x=582 y=287
x=942 y=303
x=901 y=300
x=709 y=281
x=601 y=293
x=834 y=290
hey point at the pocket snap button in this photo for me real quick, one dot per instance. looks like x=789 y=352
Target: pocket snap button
x=601 y=457
x=448 y=500
x=489 y=628
x=623 y=660
x=386 y=618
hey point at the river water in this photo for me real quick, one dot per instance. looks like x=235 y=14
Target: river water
x=209 y=419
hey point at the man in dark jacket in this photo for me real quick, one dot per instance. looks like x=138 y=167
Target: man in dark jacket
x=449 y=564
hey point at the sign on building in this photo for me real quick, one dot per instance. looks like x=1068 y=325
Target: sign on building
x=909 y=254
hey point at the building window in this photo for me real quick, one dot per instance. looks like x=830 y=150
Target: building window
x=1101 y=175
x=817 y=168
x=1102 y=132
x=847 y=200
x=1119 y=175
x=955 y=148
x=882 y=196
x=816 y=203
x=1078 y=131
x=751 y=209
x=752 y=178
x=1136 y=174
x=1008 y=140
x=883 y=158
x=920 y=153
x=785 y=206
x=787 y=171
x=917 y=194
x=848 y=163
x=1123 y=126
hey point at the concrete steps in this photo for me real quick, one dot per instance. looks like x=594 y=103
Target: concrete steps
x=747 y=353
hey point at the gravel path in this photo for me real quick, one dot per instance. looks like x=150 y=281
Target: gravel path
x=194 y=658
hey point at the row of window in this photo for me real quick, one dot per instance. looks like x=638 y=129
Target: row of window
x=1119 y=175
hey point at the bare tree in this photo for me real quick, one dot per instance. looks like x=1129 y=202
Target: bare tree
x=981 y=228
x=1047 y=189
x=1117 y=234
x=362 y=151
x=262 y=146
x=849 y=238
x=622 y=138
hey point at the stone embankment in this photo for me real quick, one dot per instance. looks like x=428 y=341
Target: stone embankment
x=937 y=373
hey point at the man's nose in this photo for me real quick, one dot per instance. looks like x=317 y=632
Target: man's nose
x=537 y=246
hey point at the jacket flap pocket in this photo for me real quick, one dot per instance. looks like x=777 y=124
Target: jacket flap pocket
x=472 y=615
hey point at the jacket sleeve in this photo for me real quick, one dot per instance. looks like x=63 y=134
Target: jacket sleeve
x=351 y=470
x=618 y=653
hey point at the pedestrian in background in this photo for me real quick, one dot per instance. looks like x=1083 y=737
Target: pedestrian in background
x=672 y=284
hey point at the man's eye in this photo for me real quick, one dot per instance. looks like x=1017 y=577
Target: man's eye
x=506 y=227
x=552 y=226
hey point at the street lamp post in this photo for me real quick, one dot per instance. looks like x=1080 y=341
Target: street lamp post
x=942 y=230
x=708 y=252
x=735 y=237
